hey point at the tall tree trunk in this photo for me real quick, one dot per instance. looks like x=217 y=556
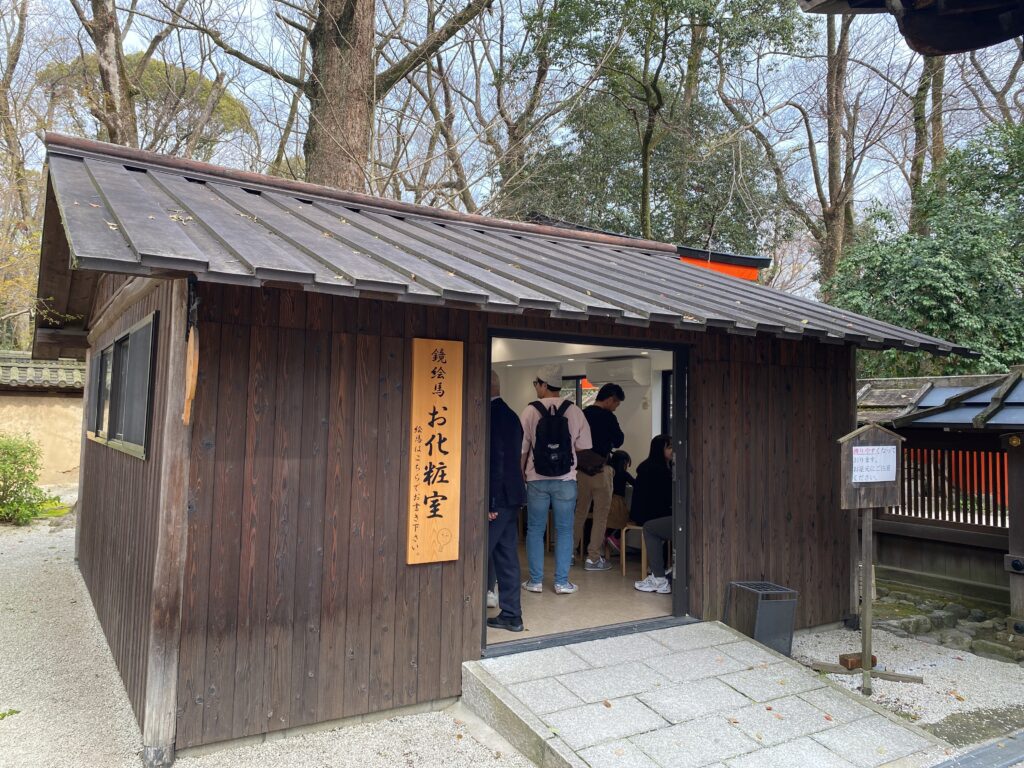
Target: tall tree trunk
x=11 y=138
x=919 y=112
x=937 y=116
x=646 y=151
x=341 y=95
x=118 y=110
x=834 y=213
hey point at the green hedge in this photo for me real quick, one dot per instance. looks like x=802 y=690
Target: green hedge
x=21 y=499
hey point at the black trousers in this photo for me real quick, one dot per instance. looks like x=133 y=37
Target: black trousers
x=503 y=547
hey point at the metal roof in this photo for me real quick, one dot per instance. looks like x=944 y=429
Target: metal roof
x=18 y=371
x=135 y=212
x=992 y=406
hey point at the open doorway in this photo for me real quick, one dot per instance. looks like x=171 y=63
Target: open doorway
x=652 y=380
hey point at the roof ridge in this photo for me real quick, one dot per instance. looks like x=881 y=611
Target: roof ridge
x=104 y=150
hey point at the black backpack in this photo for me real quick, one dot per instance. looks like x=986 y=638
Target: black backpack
x=552 y=444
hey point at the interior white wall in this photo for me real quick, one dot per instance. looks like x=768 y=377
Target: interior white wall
x=516 y=362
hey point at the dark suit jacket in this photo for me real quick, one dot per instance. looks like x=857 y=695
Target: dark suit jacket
x=507 y=486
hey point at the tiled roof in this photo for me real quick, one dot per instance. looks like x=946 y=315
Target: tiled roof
x=18 y=371
x=135 y=212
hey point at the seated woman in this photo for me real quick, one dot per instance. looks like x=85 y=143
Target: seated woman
x=652 y=508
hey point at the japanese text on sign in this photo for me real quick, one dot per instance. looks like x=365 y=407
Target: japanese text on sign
x=435 y=460
x=874 y=463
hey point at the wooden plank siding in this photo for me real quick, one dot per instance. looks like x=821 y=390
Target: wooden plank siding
x=118 y=517
x=297 y=500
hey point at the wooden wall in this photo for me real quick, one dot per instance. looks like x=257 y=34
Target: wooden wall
x=117 y=525
x=764 y=422
x=298 y=607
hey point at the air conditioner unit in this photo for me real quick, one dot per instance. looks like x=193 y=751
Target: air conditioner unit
x=625 y=371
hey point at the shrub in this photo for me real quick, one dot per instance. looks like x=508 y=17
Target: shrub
x=20 y=498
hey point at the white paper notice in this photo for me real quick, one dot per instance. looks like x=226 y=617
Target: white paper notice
x=874 y=463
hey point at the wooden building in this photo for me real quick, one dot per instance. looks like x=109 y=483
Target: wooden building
x=248 y=561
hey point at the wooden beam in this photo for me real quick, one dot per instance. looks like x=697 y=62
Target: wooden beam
x=86 y=389
x=65 y=338
x=158 y=727
x=835 y=669
x=130 y=292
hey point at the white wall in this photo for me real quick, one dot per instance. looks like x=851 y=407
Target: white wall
x=639 y=415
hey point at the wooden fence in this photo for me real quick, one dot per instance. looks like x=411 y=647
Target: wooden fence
x=946 y=485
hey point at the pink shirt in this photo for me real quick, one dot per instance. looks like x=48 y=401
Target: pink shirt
x=578 y=428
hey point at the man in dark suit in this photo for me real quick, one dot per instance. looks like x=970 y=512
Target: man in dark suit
x=507 y=495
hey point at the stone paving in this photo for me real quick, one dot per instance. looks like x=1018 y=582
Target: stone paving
x=692 y=696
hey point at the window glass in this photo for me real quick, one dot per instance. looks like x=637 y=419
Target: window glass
x=124 y=381
x=119 y=381
x=103 y=402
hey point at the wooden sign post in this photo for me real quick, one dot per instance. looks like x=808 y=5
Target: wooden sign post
x=435 y=461
x=871 y=480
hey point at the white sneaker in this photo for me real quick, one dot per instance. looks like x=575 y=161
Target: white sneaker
x=654 y=583
x=565 y=589
x=533 y=586
x=492 y=599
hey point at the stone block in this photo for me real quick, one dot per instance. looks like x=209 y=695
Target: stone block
x=773 y=682
x=976 y=614
x=916 y=625
x=690 y=636
x=842 y=707
x=872 y=742
x=695 y=744
x=960 y=611
x=955 y=639
x=544 y=696
x=942 y=618
x=617 y=650
x=990 y=648
x=680 y=703
x=617 y=754
x=750 y=653
x=613 y=682
x=802 y=753
x=703 y=663
x=533 y=665
x=582 y=727
x=781 y=720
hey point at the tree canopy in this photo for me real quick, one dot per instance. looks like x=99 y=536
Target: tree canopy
x=963 y=279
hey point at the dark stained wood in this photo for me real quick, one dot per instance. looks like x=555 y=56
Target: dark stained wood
x=195 y=593
x=119 y=499
x=310 y=524
x=334 y=594
x=169 y=560
x=348 y=627
x=284 y=503
x=229 y=480
x=358 y=630
x=392 y=407
x=257 y=514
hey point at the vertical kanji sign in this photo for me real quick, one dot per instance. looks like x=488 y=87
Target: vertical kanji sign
x=435 y=457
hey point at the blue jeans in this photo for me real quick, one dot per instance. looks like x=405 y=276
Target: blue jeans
x=559 y=495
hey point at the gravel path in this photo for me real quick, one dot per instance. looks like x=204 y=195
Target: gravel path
x=56 y=670
x=955 y=682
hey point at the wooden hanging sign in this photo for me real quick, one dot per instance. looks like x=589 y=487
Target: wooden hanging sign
x=435 y=458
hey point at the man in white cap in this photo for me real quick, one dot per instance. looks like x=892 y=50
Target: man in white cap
x=554 y=429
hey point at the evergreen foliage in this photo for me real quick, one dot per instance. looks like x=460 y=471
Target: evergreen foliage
x=963 y=279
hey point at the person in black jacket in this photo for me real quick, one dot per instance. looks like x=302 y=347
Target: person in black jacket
x=595 y=477
x=507 y=495
x=652 y=508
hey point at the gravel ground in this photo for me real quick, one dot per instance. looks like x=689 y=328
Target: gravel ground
x=72 y=711
x=955 y=682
